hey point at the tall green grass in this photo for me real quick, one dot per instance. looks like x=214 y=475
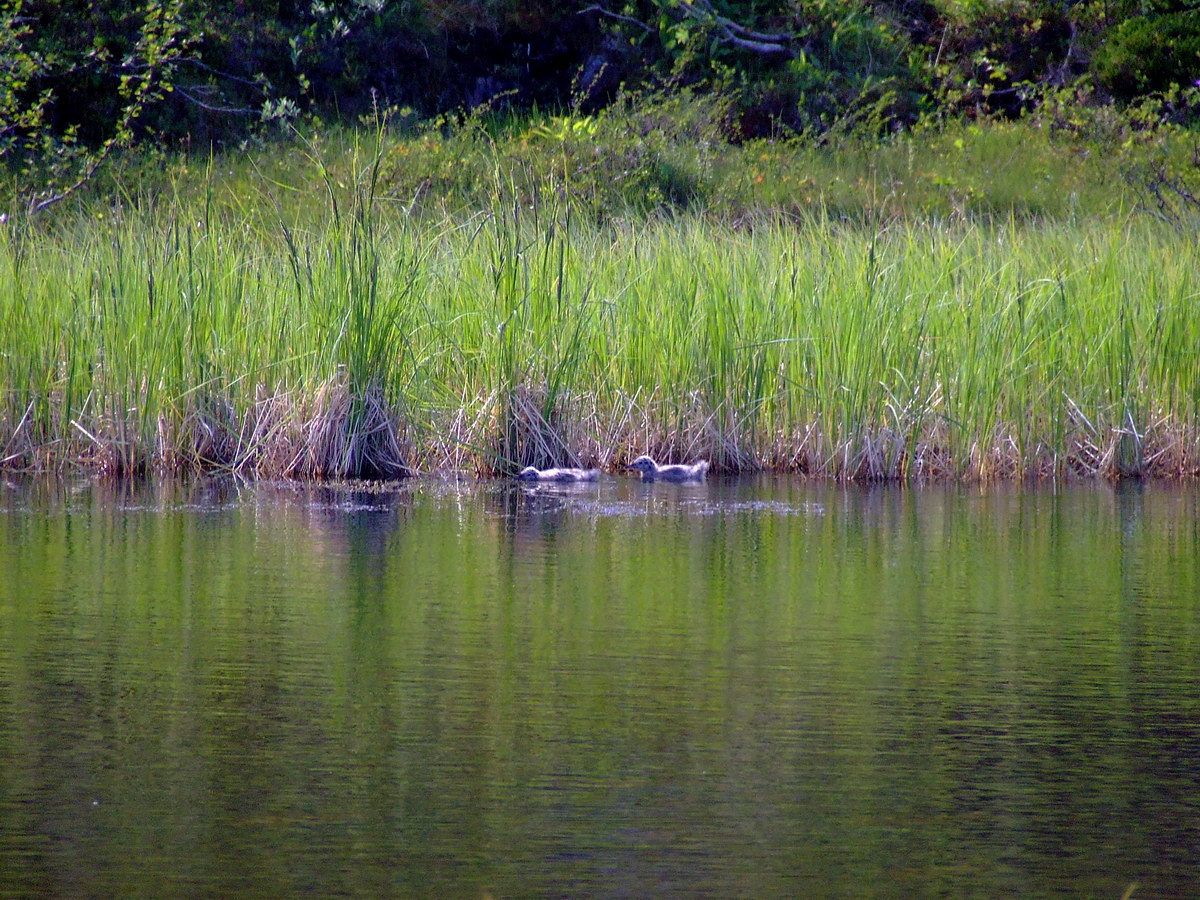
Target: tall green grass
x=338 y=333
x=635 y=159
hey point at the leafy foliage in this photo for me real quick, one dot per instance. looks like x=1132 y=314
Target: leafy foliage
x=55 y=162
x=80 y=78
x=1150 y=53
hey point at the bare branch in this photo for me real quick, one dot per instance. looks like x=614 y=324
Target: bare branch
x=193 y=61
x=730 y=32
x=613 y=15
x=192 y=98
x=763 y=36
x=733 y=30
x=37 y=204
x=757 y=46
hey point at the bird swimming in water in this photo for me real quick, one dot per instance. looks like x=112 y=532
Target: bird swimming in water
x=529 y=473
x=652 y=471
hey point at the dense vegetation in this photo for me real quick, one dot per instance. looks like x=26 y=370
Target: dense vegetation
x=911 y=240
x=785 y=64
x=244 y=317
x=80 y=80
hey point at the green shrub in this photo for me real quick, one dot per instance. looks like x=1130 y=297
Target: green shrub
x=1150 y=53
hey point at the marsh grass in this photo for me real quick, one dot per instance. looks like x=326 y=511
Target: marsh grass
x=675 y=154
x=335 y=327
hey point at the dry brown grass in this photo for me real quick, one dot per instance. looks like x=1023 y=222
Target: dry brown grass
x=333 y=433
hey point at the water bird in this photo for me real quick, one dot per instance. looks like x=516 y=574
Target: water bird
x=529 y=473
x=652 y=471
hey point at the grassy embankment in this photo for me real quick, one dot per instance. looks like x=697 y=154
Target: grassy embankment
x=967 y=303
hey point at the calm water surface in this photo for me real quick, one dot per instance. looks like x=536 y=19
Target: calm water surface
x=754 y=688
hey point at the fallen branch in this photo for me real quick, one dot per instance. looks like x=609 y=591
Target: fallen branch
x=764 y=43
x=618 y=16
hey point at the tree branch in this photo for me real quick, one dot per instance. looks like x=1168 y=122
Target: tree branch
x=757 y=46
x=734 y=31
x=192 y=98
x=193 y=61
x=613 y=15
x=37 y=204
x=729 y=32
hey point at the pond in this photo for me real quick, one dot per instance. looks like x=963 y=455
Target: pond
x=753 y=687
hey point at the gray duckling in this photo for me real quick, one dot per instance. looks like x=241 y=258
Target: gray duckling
x=652 y=471
x=529 y=473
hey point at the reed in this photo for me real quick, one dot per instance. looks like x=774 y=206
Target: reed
x=350 y=336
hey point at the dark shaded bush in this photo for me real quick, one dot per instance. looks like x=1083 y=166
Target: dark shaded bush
x=338 y=59
x=781 y=66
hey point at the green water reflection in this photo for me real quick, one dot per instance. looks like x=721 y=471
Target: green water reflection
x=751 y=688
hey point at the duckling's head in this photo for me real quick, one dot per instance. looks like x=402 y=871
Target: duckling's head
x=644 y=463
x=529 y=473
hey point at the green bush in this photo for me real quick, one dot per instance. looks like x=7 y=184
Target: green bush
x=1150 y=53
x=776 y=66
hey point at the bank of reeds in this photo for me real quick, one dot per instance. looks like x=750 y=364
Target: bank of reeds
x=361 y=340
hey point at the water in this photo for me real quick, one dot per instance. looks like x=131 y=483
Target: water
x=754 y=688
